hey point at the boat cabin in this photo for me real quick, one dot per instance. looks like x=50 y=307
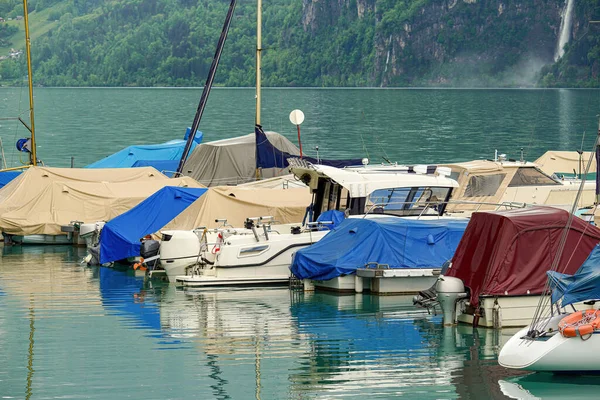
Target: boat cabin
x=398 y=191
x=485 y=185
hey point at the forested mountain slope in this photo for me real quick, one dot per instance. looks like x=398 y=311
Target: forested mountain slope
x=306 y=42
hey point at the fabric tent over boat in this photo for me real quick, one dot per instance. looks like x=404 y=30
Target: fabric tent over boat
x=42 y=199
x=271 y=156
x=552 y=162
x=121 y=235
x=233 y=161
x=126 y=158
x=7 y=176
x=509 y=252
x=581 y=286
x=398 y=242
x=238 y=203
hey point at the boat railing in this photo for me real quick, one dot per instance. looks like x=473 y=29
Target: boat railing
x=420 y=208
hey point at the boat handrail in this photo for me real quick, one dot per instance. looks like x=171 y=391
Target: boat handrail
x=434 y=205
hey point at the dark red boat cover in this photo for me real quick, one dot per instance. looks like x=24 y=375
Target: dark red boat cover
x=509 y=252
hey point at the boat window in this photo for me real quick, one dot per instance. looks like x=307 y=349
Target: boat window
x=531 y=177
x=406 y=201
x=344 y=199
x=326 y=191
x=484 y=185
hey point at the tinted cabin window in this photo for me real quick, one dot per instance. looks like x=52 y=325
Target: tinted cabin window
x=484 y=185
x=406 y=201
x=531 y=177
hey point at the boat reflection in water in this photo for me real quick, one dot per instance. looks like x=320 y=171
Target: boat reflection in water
x=548 y=386
x=320 y=344
x=365 y=345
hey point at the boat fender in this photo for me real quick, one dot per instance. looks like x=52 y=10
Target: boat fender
x=217 y=247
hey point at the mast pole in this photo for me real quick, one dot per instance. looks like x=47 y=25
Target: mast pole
x=32 y=154
x=207 y=86
x=258 y=58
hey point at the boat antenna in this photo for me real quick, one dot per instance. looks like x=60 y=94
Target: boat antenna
x=207 y=86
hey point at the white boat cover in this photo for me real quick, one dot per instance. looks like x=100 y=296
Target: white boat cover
x=238 y=203
x=233 y=161
x=42 y=199
x=564 y=161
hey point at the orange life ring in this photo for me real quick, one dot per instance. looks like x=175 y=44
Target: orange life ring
x=581 y=323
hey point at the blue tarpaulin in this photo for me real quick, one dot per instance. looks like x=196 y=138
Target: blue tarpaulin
x=167 y=167
x=269 y=156
x=398 y=242
x=7 y=176
x=120 y=237
x=127 y=157
x=583 y=285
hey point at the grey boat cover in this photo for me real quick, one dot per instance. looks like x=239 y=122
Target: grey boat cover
x=233 y=161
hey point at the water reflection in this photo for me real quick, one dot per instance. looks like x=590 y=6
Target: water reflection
x=73 y=331
x=548 y=386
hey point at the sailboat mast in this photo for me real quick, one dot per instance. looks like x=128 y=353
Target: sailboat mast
x=33 y=155
x=258 y=57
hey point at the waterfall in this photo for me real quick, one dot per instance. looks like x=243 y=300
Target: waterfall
x=565 y=29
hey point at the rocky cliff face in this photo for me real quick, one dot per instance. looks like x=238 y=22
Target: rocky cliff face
x=424 y=42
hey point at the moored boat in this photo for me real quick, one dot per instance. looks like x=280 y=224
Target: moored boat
x=499 y=269
x=562 y=342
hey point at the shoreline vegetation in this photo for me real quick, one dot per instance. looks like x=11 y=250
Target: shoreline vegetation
x=349 y=44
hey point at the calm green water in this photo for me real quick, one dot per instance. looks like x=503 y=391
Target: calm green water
x=407 y=126
x=69 y=331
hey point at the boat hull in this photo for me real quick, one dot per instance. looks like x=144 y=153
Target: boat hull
x=555 y=353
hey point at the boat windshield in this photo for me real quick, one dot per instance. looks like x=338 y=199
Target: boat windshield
x=407 y=201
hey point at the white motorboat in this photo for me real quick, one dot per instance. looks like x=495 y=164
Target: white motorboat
x=562 y=342
x=263 y=253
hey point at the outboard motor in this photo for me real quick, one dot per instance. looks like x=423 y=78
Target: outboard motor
x=428 y=298
x=449 y=291
x=149 y=252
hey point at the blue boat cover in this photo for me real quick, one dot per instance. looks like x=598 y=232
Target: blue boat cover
x=7 y=176
x=269 y=156
x=167 y=167
x=126 y=158
x=398 y=242
x=583 y=285
x=334 y=216
x=120 y=237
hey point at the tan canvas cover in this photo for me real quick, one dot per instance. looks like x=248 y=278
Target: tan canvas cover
x=238 y=203
x=39 y=203
x=232 y=161
x=278 y=182
x=565 y=198
x=565 y=161
x=465 y=171
x=33 y=181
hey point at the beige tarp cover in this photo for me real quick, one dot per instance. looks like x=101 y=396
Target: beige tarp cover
x=480 y=168
x=42 y=199
x=278 y=182
x=564 y=161
x=233 y=161
x=566 y=198
x=237 y=203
